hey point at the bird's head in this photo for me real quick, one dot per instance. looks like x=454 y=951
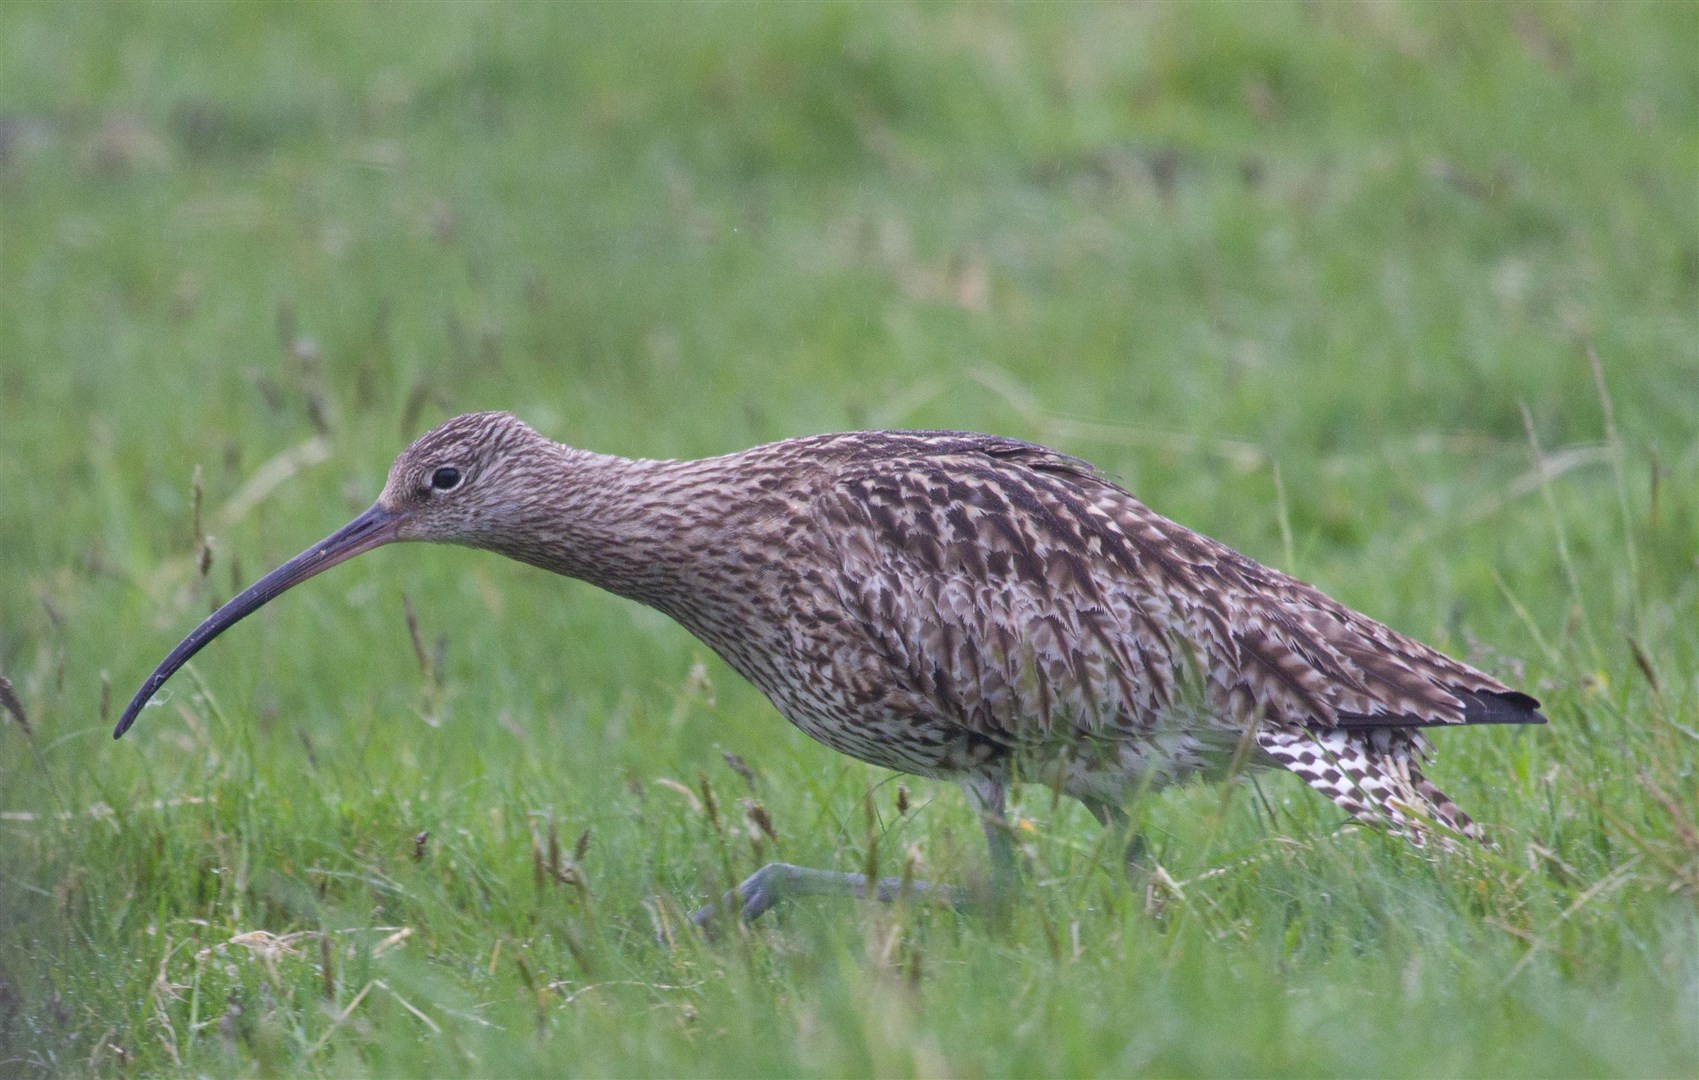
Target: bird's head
x=459 y=482
x=456 y=484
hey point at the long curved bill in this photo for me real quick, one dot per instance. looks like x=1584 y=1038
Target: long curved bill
x=374 y=527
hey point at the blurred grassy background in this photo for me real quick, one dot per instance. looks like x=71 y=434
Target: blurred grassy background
x=1324 y=281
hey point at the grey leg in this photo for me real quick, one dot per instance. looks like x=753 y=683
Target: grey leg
x=782 y=881
x=987 y=794
x=1112 y=816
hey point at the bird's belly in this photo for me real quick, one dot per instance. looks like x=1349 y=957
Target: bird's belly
x=845 y=699
x=1115 y=768
x=892 y=738
x=1095 y=766
x=838 y=698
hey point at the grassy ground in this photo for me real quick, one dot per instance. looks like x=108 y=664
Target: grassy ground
x=1399 y=298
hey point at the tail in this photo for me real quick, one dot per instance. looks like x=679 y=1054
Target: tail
x=1375 y=775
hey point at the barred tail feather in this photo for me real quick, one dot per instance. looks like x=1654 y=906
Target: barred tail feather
x=1446 y=812
x=1375 y=776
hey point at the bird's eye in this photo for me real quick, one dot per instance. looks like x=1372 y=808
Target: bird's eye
x=446 y=478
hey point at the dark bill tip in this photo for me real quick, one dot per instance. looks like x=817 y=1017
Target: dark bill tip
x=374 y=527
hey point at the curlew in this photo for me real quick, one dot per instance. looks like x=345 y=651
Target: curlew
x=952 y=605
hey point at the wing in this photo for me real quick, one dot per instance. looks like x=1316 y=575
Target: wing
x=1027 y=598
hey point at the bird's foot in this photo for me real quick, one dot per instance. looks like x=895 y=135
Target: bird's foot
x=782 y=881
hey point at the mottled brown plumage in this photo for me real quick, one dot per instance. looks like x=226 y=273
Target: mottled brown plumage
x=953 y=605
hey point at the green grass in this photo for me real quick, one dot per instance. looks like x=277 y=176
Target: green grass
x=1323 y=281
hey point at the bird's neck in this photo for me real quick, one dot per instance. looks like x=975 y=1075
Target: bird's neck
x=648 y=530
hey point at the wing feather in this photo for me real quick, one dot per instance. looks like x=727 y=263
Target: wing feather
x=1029 y=597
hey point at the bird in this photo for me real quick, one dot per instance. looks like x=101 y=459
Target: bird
x=952 y=605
